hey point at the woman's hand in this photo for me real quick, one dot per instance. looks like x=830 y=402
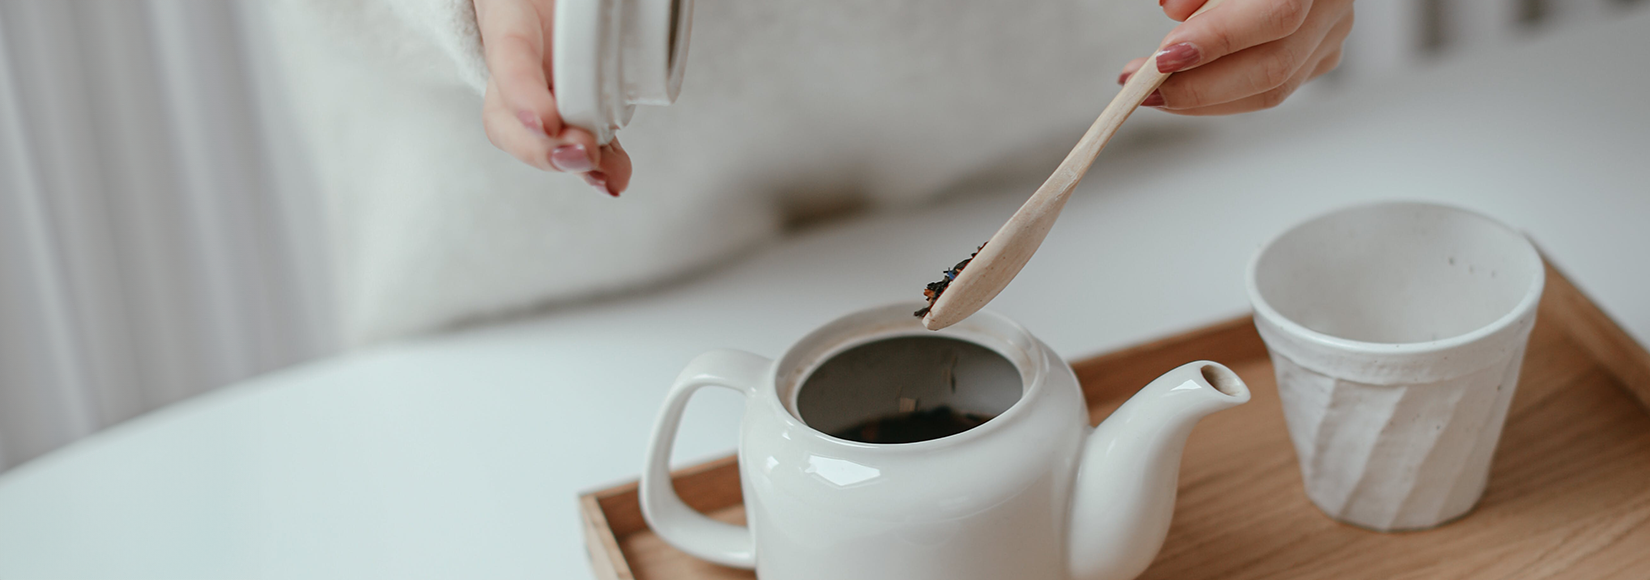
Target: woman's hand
x=1245 y=55
x=519 y=111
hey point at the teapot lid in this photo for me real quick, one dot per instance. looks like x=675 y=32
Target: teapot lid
x=611 y=55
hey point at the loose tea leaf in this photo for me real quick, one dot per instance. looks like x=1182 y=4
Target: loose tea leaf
x=934 y=289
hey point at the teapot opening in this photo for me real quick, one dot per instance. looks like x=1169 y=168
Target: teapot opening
x=906 y=389
x=1223 y=380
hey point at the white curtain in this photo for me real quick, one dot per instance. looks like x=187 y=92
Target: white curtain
x=155 y=236
x=158 y=236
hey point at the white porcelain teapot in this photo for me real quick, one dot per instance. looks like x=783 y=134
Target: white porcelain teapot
x=1032 y=493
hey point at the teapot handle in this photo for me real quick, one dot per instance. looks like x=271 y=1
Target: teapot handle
x=675 y=522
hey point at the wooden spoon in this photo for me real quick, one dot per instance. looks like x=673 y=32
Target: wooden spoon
x=1012 y=246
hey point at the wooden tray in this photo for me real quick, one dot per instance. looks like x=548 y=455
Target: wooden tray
x=1568 y=496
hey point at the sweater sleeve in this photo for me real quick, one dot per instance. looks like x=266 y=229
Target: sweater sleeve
x=435 y=41
x=450 y=26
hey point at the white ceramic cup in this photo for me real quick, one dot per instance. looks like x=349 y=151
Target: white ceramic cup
x=1397 y=331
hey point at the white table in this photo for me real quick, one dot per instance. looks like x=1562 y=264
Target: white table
x=459 y=456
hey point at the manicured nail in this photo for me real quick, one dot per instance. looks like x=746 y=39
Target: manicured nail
x=599 y=183
x=1123 y=78
x=1177 y=57
x=1153 y=100
x=530 y=121
x=571 y=158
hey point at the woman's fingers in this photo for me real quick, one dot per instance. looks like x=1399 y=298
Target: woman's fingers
x=1128 y=69
x=614 y=174
x=519 y=111
x=513 y=43
x=616 y=166
x=1254 y=70
x=508 y=134
x=1257 y=75
x=1266 y=100
x=1325 y=60
x=1228 y=28
x=573 y=151
x=1328 y=63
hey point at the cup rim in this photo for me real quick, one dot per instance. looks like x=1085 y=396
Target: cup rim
x=1531 y=298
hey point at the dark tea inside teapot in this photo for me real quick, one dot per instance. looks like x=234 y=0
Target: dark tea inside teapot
x=914 y=426
x=908 y=389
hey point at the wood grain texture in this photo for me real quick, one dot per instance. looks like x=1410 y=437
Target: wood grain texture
x=1568 y=497
x=1593 y=330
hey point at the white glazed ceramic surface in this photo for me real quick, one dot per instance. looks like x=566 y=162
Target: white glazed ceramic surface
x=611 y=55
x=1397 y=331
x=1033 y=493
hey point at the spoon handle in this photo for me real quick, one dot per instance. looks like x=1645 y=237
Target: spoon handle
x=1001 y=258
x=1135 y=90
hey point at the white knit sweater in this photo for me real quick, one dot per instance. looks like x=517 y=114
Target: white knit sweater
x=787 y=105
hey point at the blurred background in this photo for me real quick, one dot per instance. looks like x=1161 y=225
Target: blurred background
x=156 y=236
x=160 y=235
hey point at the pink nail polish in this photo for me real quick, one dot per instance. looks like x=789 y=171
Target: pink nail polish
x=571 y=158
x=1177 y=57
x=1123 y=78
x=1153 y=100
x=530 y=121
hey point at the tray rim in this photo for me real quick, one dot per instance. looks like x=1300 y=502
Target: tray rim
x=1577 y=316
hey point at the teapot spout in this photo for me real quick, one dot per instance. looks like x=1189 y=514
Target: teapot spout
x=1124 y=495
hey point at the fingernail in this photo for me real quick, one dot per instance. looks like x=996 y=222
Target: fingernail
x=1153 y=100
x=1123 y=78
x=599 y=183
x=1177 y=57
x=571 y=158
x=530 y=121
